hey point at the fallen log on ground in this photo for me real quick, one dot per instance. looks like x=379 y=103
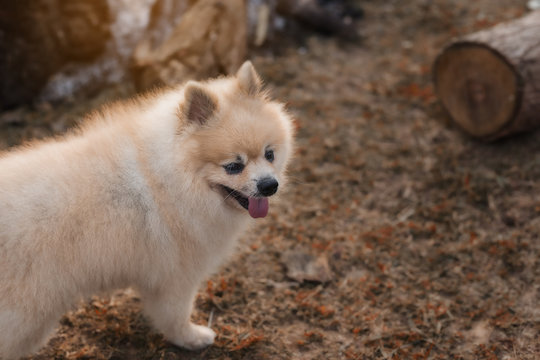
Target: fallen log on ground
x=489 y=81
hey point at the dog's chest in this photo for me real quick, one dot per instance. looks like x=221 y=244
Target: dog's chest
x=214 y=239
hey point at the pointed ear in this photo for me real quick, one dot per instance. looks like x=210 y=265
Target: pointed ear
x=248 y=79
x=199 y=104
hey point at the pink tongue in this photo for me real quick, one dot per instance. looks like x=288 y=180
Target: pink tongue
x=258 y=207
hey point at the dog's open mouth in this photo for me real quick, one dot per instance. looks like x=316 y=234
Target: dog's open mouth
x=241 y=199
x=256 y=206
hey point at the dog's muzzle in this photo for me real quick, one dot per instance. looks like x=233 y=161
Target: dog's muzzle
x=267 y=186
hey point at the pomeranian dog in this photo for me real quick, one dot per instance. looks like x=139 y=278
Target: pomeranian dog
x=151 y=193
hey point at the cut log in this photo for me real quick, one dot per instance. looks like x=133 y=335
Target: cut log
x=210 y=39
x=38 y=37
x=489 y=81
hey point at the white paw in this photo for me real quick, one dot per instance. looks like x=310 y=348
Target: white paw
x=195 y=337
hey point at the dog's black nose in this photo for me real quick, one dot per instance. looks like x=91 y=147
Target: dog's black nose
x=267 y=186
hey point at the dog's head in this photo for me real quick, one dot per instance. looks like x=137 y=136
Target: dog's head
x=239 y=141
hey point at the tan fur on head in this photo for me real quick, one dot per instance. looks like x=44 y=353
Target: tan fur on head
x=199 y=104
x=248 y=79
x=139 y=197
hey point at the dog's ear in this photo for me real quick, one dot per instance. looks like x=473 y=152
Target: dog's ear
x=248 y=79
x=199 y=104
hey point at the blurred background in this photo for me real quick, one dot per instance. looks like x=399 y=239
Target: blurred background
x=399 y=237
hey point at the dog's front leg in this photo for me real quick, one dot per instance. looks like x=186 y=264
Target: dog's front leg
x=170 y=312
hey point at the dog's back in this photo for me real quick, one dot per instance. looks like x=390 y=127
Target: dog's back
x=153 y=194
x=57 y=199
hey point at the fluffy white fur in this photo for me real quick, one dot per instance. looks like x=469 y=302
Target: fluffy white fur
x=133 y=199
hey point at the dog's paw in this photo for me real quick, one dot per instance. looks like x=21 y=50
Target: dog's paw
x=195 y=337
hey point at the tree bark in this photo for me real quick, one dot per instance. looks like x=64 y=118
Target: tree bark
x=489 y=81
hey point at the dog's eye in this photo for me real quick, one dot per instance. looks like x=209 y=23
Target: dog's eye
x=269 y=155
x=234 y=168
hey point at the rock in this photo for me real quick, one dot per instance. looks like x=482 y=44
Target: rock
x=209 y=40
x=37 y=37
x=325 y=16
x=302 y=266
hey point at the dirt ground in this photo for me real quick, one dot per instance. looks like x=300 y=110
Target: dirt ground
x=431 y=238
